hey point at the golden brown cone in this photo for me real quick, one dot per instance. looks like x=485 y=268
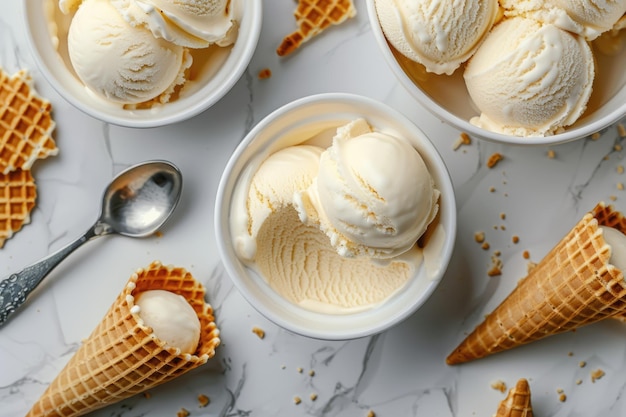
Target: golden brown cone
x=122 y=357
x=572 y=286
x=517 y=402
x=312 y=17
x=26 y=124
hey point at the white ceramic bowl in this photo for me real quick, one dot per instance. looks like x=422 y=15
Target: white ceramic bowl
x=292 y=124
x=447 y=98
x=217 y=69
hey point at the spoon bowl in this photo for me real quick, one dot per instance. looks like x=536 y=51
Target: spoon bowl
x=136 y=203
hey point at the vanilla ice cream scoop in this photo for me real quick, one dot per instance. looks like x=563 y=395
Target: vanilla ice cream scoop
x=529 y=78
x=171 y=317
x=189 y=23
x=589 y=18
x=122 y=63
x=440 y=35
x=617 y=241
x=373 y=195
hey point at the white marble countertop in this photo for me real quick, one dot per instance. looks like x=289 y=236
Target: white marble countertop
x=401 y=372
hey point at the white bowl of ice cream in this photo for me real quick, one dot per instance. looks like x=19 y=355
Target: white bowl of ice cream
x=335 y=217
x=527 y=73
x=142 y=63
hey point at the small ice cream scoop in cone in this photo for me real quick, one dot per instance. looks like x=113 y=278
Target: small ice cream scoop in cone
x=573 y=285
x=123 y=356
x=517 y=402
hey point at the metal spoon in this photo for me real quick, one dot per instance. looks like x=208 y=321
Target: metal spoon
x=136 y=203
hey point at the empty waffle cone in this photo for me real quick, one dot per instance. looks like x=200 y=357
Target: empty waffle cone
x=312 y=17
x=122 y=357
x=26 y=124
x=517 y=402
x=572 y=286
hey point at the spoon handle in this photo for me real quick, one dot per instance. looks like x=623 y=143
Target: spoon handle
x=15 y=289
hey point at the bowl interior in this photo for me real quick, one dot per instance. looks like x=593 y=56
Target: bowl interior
x=290 y=125
x=214 y=71
x=447 y=97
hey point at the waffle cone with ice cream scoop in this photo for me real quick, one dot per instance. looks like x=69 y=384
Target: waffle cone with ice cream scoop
x=123 y=356
x=573 y=285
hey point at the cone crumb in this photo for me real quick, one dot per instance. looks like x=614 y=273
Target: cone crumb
x=496 y=267
x=620 y=169
x=297 y=400
x=515 y=239
x=526 y=254
x=579 y=381
x=499 y=385
x=147 y=395
x=582 y=364
x=299 y=370
x=621 y=130
x=617 y=147
x=597 y=374
x=551 y=154
x=183 y=413
x=203 y=400
x=485 y=246
x=494 y=159
x=371 y=413
x=259 y=332
x=595 y=136
x=620 y=186
x=265 y=73
x=311 y=372
x=313 y=397
x=562 y=397
x=463 y=139
x=479 y=237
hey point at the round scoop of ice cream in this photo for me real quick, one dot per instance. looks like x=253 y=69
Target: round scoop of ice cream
x=529 y=78
x=438 y=34
x=589 y=18
x=373 y=195
x=171 y=317
x=119 y=62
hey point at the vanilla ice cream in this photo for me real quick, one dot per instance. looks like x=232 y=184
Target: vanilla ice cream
x=359 y=199
x=589 y=18
x=189 y=23
x=171 y=317
x=440 y=35
x=119 y=62
x=308 y=204
x=530 y=78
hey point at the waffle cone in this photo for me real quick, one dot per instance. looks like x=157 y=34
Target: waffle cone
x=572 y=286
x=517 y=402
x=122 y=357
x=313 y=17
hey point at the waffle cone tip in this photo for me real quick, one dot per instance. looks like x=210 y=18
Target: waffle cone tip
x=517 y=402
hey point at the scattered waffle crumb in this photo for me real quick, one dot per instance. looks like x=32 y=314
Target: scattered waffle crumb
x=595 y=136
x=463 y=139
x=526 y=254
x=570 y=353
x=562 y=397
x=620 y=186
x=494 y=159
x=492 y=189
x=499 y=385
x=183 y=413
x=485 y=246
x=147 y=395
x=313 y=17
x=582 y=364
x=311 y=372
x=613 y=197
x=621 y=129
x=299 y=370
x=620 y=169
x=551 y=154
x=203 y=400
x=158 y=233
x=502 y=216
x=479 y=237
x=579 y=381
x=371 y=413
x=496 y=267
x=515 y=239
x=617 y=147
x=597 y=374
x=297 y=400
x=259 y=332
x=265 y=73
x=313 y=396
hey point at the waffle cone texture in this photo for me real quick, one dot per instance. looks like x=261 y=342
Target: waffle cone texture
x=122 y=357
x=573 y=285
x=517 y=402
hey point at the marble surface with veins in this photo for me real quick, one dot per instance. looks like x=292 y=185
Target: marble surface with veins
x=531 y=193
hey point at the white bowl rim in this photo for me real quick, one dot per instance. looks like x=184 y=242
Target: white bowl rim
x=463 y=125
x=254 y=7
x=221 y=213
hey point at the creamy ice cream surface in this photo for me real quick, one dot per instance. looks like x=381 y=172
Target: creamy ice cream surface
x=617 y=240
x=294 y=235
x=119 y=62
x=373 y=195
x=589 y=18
x=440 y=35
x=171 y=317
x=530 y=78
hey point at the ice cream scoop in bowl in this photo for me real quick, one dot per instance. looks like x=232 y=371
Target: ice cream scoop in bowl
x=534 y=77
x=136 y=203
x=126 y=64
x=335 y=217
